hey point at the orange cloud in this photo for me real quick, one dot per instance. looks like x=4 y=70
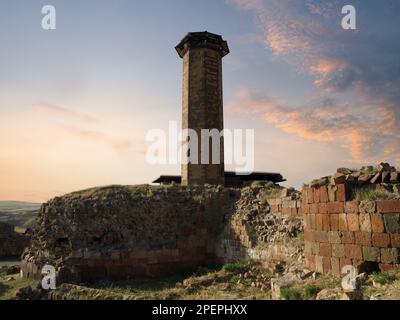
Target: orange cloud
x=360 y=129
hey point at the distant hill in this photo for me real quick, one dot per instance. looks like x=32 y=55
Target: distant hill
x=18 y=213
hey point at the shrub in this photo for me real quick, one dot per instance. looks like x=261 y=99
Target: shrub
x=361 y=194
x=236 y=267
x=311 y=291
x=384 y=277
x=290 y=294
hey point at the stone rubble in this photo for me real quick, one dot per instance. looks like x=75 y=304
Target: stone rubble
x=382 y=176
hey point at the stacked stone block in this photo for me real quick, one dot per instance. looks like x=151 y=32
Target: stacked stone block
x=287 y=206
x=339 y=232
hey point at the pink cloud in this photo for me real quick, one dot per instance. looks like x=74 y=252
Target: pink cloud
x=362 y=130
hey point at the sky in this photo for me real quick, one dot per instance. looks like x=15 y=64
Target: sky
x=77 y=102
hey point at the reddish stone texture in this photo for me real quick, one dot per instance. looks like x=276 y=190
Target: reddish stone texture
x=326 y=264
x=275 y=208
x=287 y=211
x=390 y=255
x=305 y=208
x=352 y=222
x=312 y=220
x=325 y=250
x=335 y=264
x=363 y=238
x=388 y=206
x=371 y=254
x=321 y=236
x=310 y=195
x=325 y=222
x=377 y=223
x=323 y=194
x=341 y=192
x=310 y=261
x=309 y=235
x=318 y=220
x=334 y=222
x=334 y=237
x=381 y=240
x=304 y=197
x=314 y=208
x=300 y=212
x=335 y=207
x=352 y=206
x=323 y=208
x=338 y=250
x=307 y=247
x=342 y=219
x=348 y=237
x=386 y=267
x=345 y=262
x=316 y=195
x=353 y=251
x=395 y=240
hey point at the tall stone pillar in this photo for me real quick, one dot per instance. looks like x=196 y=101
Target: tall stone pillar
x=202 y=106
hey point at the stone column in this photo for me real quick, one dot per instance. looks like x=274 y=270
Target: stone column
x=202 y=106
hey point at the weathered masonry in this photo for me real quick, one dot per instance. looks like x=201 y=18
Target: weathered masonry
x=202 y=106
x=340 y=232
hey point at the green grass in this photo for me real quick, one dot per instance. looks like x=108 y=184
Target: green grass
x=361 y=194
x=237 y=267
x=290 y=294
x=384 y=277
x=311 y=291
x=8 y=289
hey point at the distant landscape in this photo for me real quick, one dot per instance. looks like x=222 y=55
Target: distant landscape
x=19 y=214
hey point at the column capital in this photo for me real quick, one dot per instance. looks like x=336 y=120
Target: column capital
x=202 y=40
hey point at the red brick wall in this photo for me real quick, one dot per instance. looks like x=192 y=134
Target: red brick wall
x=340 y=232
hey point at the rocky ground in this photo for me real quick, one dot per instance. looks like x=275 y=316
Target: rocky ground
x=245 y=281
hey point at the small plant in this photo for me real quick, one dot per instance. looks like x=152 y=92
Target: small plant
x=290 y=294
x=236 y=267
x=361 y=194
x=311 y=291
x=256 y=184
x=384 y=278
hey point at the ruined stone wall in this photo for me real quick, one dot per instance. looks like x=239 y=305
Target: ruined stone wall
x=11 y=243
x=340 y=232
x=264 y=227
x=119 y=232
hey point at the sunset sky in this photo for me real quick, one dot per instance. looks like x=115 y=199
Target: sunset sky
x=76 y=103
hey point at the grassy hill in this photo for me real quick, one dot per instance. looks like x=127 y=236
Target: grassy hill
x=19 y=214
